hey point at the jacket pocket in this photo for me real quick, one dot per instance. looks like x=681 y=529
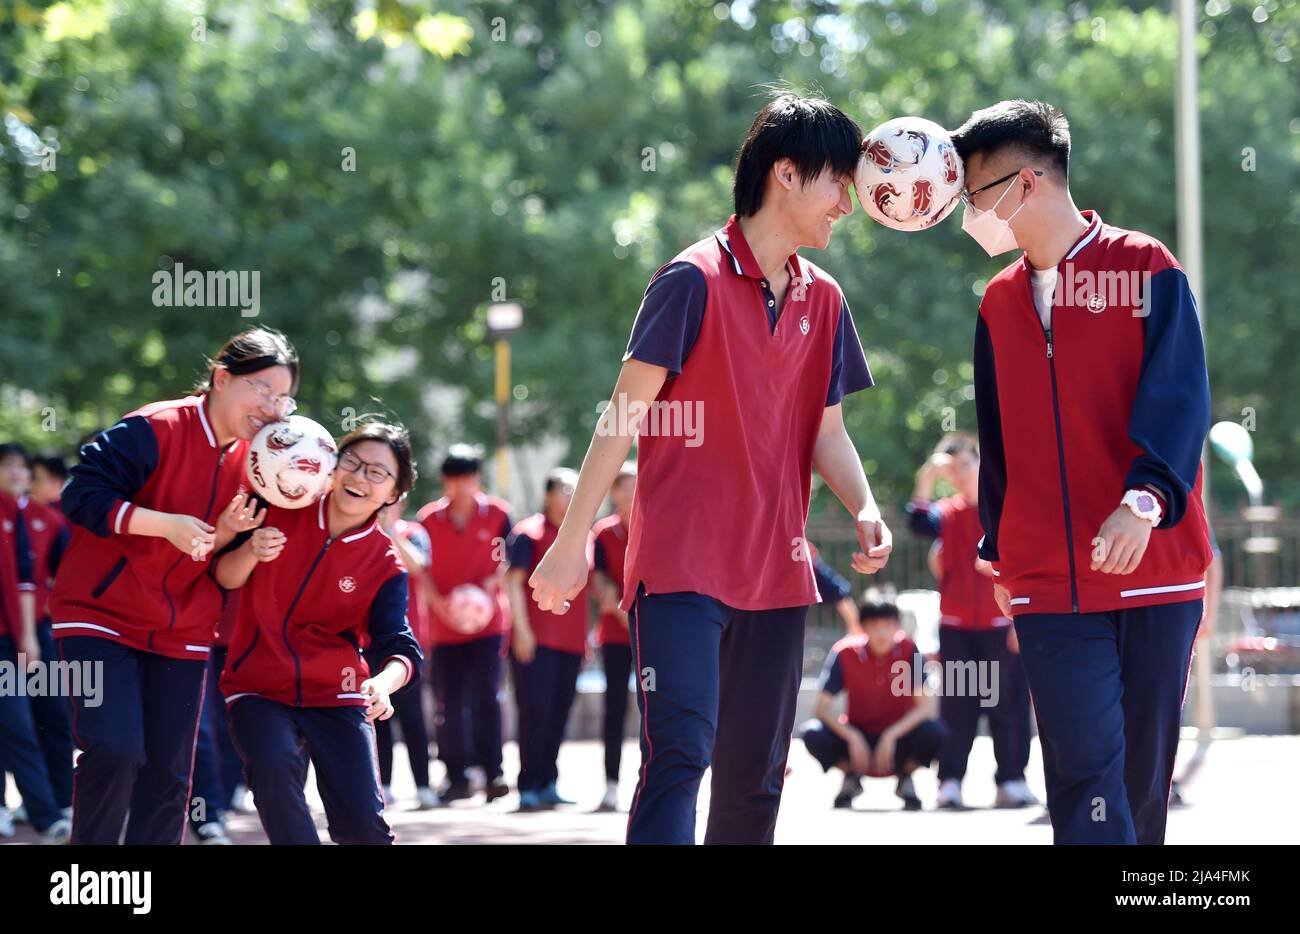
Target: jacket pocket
x=108 y=579
x=257 y=634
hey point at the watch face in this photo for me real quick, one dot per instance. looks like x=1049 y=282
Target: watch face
x=1146 y=502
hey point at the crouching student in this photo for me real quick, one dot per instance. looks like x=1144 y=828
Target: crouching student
x=890 y=727
x=318 y=586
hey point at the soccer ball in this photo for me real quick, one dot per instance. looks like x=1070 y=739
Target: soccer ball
x=291 y=462
x=910 y=176
x=471 y=609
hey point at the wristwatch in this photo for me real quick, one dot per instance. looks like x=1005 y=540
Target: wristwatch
x=1144 y=504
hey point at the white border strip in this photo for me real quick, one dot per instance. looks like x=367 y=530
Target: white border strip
x=1172 y=588
x=111 y=632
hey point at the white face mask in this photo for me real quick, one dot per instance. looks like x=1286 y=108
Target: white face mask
x=991 y=232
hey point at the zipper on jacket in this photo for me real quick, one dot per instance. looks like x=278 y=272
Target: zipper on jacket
x=284 y=627
x=1060 y=453
x=212 y=496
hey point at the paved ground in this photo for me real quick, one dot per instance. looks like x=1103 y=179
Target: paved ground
x=1243 y=793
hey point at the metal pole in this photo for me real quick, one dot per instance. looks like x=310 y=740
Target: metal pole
x=1187 y=167
x=503 y=402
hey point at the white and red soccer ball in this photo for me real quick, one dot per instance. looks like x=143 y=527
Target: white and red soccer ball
x=470 y=609
x=291 y=462
x=910 y=176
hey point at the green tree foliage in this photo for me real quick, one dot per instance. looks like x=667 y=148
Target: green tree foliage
x=557 y=154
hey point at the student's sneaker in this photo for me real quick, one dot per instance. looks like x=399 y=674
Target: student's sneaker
x=907 y=791
x=1014 y=794
x=241 y=801
x=20 y=814
x=212 y=833
x=949 y=795
x=6 y=823
x=851 y=788
x=551 y=796
x=58 y=833
x=530 y=801
x=428 y=798
x=455 y=791
x=610 y=801
x=496 y=788
x=67 y=812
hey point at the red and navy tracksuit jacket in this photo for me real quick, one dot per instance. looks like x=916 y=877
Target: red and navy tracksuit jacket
x=966 y=598
x=16 y=566
x=140 y=590
x=609 y=556
x=1113 y=397
x=307 y=618
x=48 y=533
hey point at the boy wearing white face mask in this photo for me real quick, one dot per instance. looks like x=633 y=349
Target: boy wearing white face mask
x=1093 y=405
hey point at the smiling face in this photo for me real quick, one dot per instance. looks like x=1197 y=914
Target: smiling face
x=241 y=405
x=811 y=208
x=366 y=479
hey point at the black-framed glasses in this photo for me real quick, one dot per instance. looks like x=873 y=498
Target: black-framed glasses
x=969 y=196
x=284 y=405
x=375 y=473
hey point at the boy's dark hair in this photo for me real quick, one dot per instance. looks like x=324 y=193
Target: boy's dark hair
x=810 y=132
x=462 y=460
x=560 y=476
x=955 y=442
x=395 y=436
x=877 y=608
x=53 y=463
x=14 y=449
x=250 y=352
x=1034 y=129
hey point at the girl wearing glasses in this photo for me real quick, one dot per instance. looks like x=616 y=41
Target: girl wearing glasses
x=320 y=588
x=154 y=496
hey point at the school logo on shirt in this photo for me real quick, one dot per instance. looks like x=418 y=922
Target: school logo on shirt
x=347 y=584
x=804 y=325
x=1097 y=303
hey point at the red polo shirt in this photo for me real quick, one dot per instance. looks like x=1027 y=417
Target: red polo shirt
x=468 y=555
x=724 y=463
x=880 y=687
x=564 y=633
x=610 y=551
x=48 y=534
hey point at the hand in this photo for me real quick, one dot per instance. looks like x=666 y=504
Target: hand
x=1121 y=542
x=267 y=544
x=876 y=541
x=241 y=515
x=30 y=646
x=984 y=567
x=524 y=645
x=883 y=757
x=859 y=753
x=559 y=577
x=1003 y=597
x=1013 y=641
x=378 y=704
x=192 y=536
